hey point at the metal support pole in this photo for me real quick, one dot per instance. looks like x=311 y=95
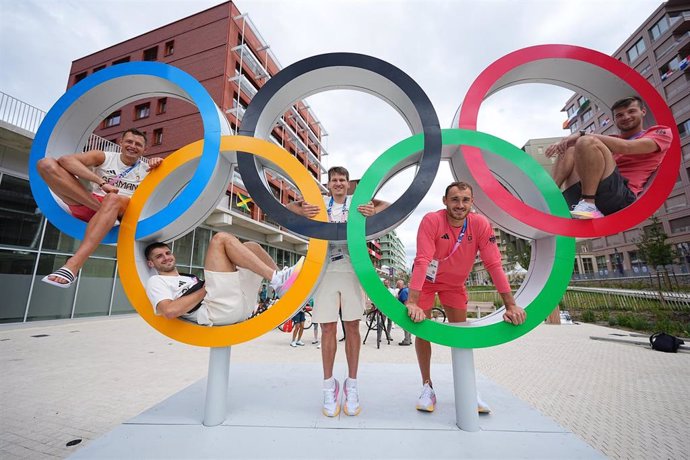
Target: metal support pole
x=215 y=408
x=465 y=386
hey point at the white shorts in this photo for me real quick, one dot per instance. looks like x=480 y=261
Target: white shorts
x=338 y=289
x=230 y=297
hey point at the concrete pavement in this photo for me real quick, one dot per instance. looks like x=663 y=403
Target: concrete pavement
x=69 y=380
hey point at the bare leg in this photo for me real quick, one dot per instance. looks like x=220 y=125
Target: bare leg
x=65 y=185
x=100 y=224
x=593 y=163
x=329 y=346
x=353 y=343
x=300 y=331
x=261 y=254
x=423 y=347
x=564 y=169
x=226 y=253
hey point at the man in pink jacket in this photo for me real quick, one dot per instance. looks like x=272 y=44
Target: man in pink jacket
x=447 y=243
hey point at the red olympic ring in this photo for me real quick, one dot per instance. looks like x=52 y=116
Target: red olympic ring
x=641 y=209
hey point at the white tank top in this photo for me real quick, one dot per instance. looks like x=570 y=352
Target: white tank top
x=112 y=171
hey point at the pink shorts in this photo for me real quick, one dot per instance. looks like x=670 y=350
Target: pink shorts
x=82 y=212
x=450 y=296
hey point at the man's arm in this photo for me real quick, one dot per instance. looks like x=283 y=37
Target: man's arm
x=178 y=307
x=372 y=207
x=491 y=256
x=638 y=146
x=303 y=208
x=80 y=164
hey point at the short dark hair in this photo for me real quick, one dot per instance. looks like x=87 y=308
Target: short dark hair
x=135 y=132
x=461 y=186
x=338 y=170
x=626 y=101
x=152 y=246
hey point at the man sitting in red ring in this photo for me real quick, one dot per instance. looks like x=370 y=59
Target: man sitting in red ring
x=604 y=174
x=447 y=244
x=113 y=178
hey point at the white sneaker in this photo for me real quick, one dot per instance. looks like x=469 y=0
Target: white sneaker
x=482 y=407
x=283 y=279
x=427 y=400
x=351 y=403
x=586 y=210
x=318 y=347
x=293 y=344
x=331 y=407
x=300 y=343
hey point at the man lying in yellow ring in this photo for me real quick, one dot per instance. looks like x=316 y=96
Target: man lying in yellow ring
x=233 y=274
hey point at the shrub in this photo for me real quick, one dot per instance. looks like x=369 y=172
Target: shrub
x=639 y=324
x=588 y=316
x=612 y=321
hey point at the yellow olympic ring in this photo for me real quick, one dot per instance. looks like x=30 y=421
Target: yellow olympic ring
x=221 y=336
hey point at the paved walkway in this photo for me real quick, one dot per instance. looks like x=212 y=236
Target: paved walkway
x=68 y=380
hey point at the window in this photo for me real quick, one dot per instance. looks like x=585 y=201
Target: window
x=636 y=50
x=162 y=105
x=20 y=219
x=169 y=47
x=667 y=69
x=590 y=128
x=659 y=28
x=680 y=225
x=587 y=116
x=79 y=77
x=96 y=69
x=158 y=136
x=112 y=120
x=581 y=100
x=684 y=128
x=121 y=61
x=151 y=54
x=142 y=111
x=571 y=111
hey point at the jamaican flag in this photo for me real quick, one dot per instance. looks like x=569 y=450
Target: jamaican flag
x=243 y=201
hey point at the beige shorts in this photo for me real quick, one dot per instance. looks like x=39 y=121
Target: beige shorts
x=338 y=289
x=230 y=297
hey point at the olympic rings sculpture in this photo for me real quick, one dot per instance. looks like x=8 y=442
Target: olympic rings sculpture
x=180 y=194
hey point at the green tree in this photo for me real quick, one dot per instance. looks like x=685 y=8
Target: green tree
x=520 y=251
x=655 y=251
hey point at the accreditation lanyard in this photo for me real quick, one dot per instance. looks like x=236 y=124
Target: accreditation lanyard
x=123 y=173
x=343 y=216
x=457 y=243
x=432 y=269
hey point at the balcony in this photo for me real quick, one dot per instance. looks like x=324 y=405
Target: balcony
x=300 y=145
x=681 y=24
x=236 y=111
x=249 y=59
x=246 y=86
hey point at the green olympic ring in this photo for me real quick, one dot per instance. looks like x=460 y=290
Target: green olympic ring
x=465 y=336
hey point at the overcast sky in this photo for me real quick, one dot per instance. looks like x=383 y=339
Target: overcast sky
x=443 y=45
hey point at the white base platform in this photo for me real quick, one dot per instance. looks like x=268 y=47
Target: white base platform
x=274 y=411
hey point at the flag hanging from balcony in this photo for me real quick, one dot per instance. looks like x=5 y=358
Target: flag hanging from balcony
x=243 y=201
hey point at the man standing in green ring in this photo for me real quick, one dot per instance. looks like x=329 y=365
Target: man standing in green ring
x=447 y=244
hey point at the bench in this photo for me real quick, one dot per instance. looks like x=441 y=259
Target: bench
x=480 y=308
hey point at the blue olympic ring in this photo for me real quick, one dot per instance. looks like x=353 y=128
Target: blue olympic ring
x=168 y=80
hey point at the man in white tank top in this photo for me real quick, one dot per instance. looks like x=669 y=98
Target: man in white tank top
x=112 y=179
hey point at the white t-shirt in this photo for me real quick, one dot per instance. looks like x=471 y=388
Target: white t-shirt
x=161 y=287
x=338 y=212
x=112 y=171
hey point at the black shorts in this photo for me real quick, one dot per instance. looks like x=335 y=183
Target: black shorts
x=612 y=194
x=299 y=317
